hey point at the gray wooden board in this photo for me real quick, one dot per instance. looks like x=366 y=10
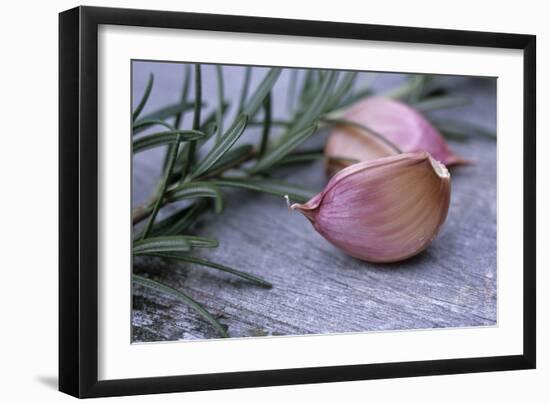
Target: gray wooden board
x=317 y=289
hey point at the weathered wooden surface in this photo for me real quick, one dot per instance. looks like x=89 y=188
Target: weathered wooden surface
x=318 y=289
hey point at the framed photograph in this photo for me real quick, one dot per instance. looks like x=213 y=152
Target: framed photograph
x=252 y=201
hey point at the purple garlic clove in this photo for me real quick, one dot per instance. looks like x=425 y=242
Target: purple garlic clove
x=384 y=210
x=399 y=123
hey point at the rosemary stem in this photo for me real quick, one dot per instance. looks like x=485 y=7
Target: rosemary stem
x=184 y=94
x=144 y=98
x=179 y=116
x=244 y=91
x=292 y=89
x=196 y=122
x=219 y=111
x=223 y=169
x=266 y=126
x=142 y=211
x=163 y=186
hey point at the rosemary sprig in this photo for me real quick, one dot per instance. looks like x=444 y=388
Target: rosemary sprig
x=461 y=128
x=184 y=95
x=266 y=126
x=219 y=111
x=168 y=112
x=178 y=294
x=225 y=143
x=434 y=103
x=164 y=184
x=144 y=98
x=244 y=91
x=179 y=221
x=143 y=124
x=282 y=149
x=210 y=264
x=171 y=244
x=170 y=137
x=158 y=238
x=196 y=189
x=279 y=188
x=179 y=115
x=291 y=94
x=190 y=150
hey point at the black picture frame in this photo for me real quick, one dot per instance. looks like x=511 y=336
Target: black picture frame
x=78 y=201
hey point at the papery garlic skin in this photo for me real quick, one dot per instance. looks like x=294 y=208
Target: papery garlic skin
x=347 y=145
x=399 y=123
x=385 y=210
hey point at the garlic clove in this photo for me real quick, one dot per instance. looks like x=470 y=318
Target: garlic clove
x=384 y=210
x=348 y=144
x=401 y=124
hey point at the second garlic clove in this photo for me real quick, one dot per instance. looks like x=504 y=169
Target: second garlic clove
x=399 y=123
